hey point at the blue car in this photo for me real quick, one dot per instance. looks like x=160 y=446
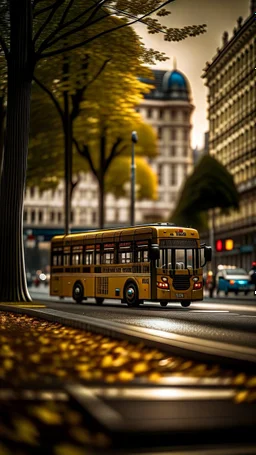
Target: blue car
x=233 y=280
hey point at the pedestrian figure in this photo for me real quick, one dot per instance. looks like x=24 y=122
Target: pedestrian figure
x=211 y=283
x=252 y=275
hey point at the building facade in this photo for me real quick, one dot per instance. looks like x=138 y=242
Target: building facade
x=168 y=109
x=231 y=82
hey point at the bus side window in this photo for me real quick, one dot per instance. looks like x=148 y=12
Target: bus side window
x=88 y=258
x=125 y=257
x=55 y=260
x=97 y=261
x=75 y=259
x=66 y=259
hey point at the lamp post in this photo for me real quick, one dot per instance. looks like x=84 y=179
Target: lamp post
x=134 y=141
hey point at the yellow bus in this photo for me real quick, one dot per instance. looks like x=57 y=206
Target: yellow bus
x=158 y=262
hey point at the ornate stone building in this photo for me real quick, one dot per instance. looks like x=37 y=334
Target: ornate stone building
x=168 y=109
x=231 y=80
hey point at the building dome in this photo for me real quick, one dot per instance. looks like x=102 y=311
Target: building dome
x=176 y=85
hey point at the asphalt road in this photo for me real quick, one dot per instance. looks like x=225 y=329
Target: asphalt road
x=230 y=320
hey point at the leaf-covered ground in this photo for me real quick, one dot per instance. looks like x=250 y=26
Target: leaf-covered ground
x=37 y=352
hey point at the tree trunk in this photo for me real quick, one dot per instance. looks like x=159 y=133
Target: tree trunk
x=67 y=124
x=13 y=286
x=102 y=182
x=68 y=134
x=2 y=117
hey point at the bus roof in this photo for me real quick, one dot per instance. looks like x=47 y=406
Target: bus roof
x=160 y=229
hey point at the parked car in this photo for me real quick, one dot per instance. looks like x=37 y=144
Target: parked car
x=233 y=280
x=41 y=278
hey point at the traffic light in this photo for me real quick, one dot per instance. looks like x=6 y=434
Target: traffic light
x=219 y=245
x=224 y=245
x=229 y=244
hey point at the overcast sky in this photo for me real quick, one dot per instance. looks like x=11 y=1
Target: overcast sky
x=192 y=53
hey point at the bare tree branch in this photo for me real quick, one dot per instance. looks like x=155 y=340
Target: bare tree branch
x=101 y=69
x=113 y=153
x=64 y=15
x=78 y=96
x=42 y=10
x=4 y=46
x=56 y=6
x=74 y=184
x=67 y=24
x=105 y=32
x=85 y=153
x=52 y=97
x=74 y=31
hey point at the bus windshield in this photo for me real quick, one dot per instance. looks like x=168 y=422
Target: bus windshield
x=179 y=258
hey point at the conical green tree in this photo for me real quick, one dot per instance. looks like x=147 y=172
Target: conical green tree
x=210 y=186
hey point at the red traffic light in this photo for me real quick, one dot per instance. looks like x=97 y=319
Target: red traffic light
x=219 y=245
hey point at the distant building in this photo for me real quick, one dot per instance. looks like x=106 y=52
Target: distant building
x=168 y=109
x=199 y=152
x=231 y=80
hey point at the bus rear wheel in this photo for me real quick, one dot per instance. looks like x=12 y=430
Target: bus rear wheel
x=99 y=300
x=185 y=303
x=131 y=294
x=163 y=303
x=78 y=292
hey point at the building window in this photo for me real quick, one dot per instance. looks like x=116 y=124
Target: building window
x=173 y=115
x=185 y=134
x=94 y=217
x=173 y=150
x=40 y=215
x=159 y=132
x=32 y=191
x=52 y=216
x=25 y=215
x=149 y=112
x=72 y=216
x=173 y=134
x=185 y=151
x=160 y=176
x=161 y=113
x=33 y=216
x=185 y=116
x=174 y=175
x=59 y=217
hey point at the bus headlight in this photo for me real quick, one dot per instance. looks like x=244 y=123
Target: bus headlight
x=161 y=285
x=196 y=278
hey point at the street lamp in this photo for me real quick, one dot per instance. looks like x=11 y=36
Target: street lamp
x=134 y=141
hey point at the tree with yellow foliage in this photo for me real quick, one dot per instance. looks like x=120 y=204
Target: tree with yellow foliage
x=30 y=32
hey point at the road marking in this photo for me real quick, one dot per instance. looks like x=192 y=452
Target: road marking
x=210 y=311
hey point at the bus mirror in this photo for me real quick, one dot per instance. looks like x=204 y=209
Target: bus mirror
x=207 y=255
x=154 y=252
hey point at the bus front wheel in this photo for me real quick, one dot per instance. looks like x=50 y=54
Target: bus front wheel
x=163 y=303
x=99 y=300
x=131 y=294
x=78 y=292
x=185 y=303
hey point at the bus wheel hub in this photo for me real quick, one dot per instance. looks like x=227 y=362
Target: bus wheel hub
x=130 y=292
